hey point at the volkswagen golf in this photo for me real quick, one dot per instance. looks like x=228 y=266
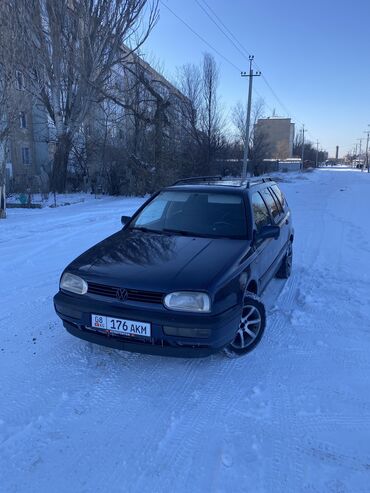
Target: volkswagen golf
x=184 y=275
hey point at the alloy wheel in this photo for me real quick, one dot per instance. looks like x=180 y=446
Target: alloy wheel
x=249 y=327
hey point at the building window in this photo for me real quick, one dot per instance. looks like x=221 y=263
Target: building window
x=23 y=119
x=19 y=80
x=26 y=156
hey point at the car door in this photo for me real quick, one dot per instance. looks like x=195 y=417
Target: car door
x=264 y=248
x=278 y=218
x=283 y=220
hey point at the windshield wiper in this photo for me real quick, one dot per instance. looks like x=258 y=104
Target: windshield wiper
x=146 y=230
x=180 y=232
x=162 y=231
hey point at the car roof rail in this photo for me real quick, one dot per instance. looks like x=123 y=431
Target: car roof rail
x=248 y=183
x=198 y=178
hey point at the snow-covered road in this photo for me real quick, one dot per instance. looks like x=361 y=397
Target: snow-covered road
x=293 y=416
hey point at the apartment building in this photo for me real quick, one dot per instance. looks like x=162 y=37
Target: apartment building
x=26 y=152
x=278 y=135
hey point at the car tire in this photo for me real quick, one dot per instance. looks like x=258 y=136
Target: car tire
x=285 y=268
x=251 y=327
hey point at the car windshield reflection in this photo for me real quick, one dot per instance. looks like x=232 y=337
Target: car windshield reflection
x=190 y=213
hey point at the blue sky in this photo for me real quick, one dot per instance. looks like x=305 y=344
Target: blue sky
x=314 y=55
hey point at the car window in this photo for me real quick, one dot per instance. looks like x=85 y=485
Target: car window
x=260 y=212
x=277 y=201
x=153 y=213
x=198 y=213
x=279 y=194
x=271 y=203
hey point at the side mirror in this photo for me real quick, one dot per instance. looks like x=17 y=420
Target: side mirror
x=268 y=232
x=125 y=220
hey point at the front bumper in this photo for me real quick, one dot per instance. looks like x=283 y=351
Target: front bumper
x=75 y=312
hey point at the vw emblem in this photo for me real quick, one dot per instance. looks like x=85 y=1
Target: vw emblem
x=121 y=294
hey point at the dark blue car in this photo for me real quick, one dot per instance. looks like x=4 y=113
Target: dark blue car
x=184 y=275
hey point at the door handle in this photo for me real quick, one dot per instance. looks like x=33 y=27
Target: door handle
x=287 y=221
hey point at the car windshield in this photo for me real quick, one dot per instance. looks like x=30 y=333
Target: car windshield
x=194 y=213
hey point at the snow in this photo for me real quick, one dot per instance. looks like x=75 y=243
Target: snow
x=293 y=416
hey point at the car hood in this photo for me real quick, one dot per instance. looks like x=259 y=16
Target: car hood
x=158 y=262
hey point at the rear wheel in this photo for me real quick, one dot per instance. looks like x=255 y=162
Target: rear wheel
x=286 y=265
x=251 y=327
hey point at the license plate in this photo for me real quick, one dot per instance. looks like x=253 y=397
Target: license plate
x=121 y=326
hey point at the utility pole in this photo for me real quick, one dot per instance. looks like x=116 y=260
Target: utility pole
x=251 y=74
x=302 y=156
x=367 y=149
x=360 y=149
x=317 y=153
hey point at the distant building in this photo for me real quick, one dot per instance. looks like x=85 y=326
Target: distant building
x=27 y=152
x=278 y=135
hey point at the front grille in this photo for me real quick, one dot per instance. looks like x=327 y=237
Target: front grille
x=132 y=294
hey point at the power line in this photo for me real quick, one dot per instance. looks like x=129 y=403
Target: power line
x=231 y=37
x=219 y=24
x=238 y=45
x=209 y=45
x=201 y=37
x=241 y=49
x=233 y=40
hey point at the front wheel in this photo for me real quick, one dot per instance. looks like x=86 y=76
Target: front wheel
x=251 y=327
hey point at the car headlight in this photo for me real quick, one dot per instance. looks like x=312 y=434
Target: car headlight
x=74 y=284
x=188 y=302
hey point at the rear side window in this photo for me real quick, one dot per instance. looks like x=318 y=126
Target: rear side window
x=260 y=212
x=279 y=194
x=271 y=203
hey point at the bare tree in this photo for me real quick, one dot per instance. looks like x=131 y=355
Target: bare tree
x=147 y=100
x=9 y=97
x=71 y=50
x=5 y=91
x=202 y=117
x=239 y=119
x=153 y=112
x=258 y=143
x=210 y=114
x=189 y=81
x=309 y=151
x=260 y=148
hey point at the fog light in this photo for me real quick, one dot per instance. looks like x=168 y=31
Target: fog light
x=186 y=332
